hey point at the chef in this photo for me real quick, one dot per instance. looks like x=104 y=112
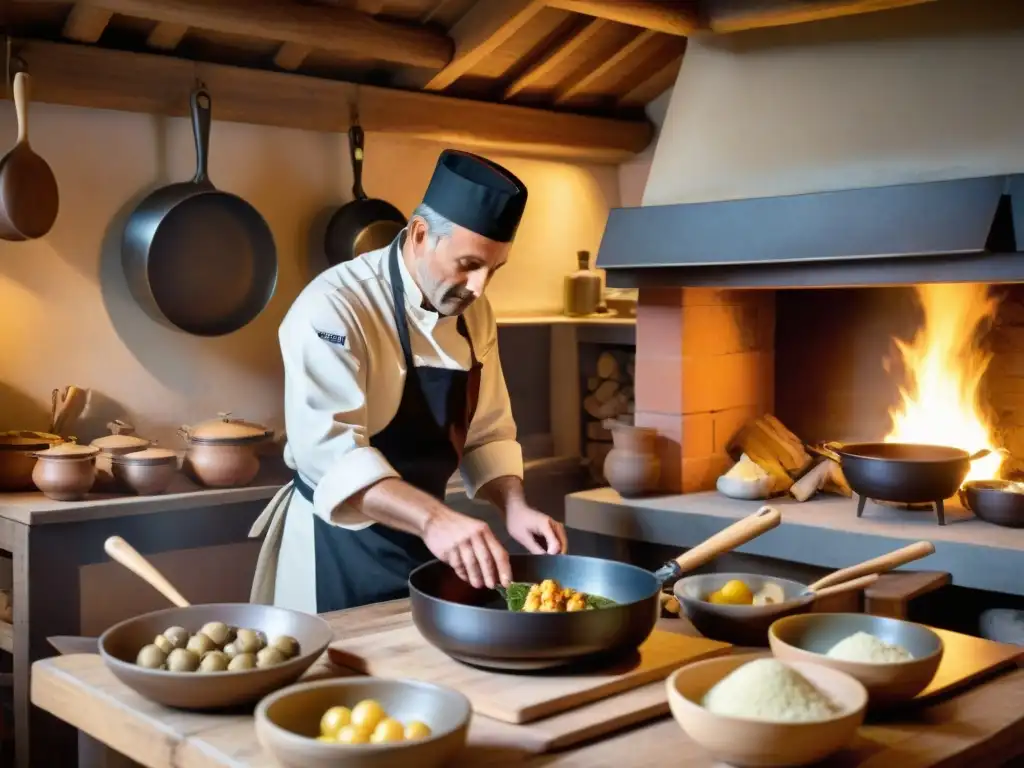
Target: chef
x=392 y=384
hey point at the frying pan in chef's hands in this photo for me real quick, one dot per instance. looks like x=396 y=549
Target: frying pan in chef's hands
x=364 y=224
x=473 y=625
x=29 y=197
x=196 y=258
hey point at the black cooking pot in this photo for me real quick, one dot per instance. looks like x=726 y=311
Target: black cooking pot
x=995 y=501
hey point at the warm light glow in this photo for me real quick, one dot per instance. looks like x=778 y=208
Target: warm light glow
x=940 y=403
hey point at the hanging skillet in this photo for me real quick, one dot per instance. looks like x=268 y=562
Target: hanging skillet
x=199 y=259
x=364 y=224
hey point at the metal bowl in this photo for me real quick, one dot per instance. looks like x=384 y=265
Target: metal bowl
x=991 y=501
x=288 y=722
x=746 y=742
x=120 y=645
x=809 y=638
x=737 y=624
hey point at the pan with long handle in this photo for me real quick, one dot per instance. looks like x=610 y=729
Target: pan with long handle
x=362 y=224
x=474 y=626
x=197 y=258
x=29 y=197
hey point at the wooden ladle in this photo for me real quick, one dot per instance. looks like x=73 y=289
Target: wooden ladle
x=29 y=197
x=881 y=564
x=125 y=554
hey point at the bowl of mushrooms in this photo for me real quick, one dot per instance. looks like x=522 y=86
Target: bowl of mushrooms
x=215 y=656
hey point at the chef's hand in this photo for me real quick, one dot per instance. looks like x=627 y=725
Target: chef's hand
x=469 y=546
x=530 y=527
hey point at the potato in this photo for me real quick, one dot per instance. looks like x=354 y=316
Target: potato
x=217 y=631
x=200 y=644
x=182 y=660
x=242 y=661
x=177 y=635
x=151 y=657
x=269 y=657
x=214 y=661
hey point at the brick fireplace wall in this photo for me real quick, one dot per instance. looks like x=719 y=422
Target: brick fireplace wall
x=705 y=364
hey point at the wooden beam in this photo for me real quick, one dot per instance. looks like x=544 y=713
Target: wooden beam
x=166 y=36
x=555 y=58
x=479 y=33
x=651 y=88
x=291 y=55
x=607 y=66
x=99 y=78
x=673 y=17
x=724 y=16
x=340 y=30
x=86 y=24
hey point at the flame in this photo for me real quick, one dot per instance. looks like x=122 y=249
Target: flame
x=944 y=366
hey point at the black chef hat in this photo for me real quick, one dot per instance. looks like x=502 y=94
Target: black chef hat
x=477 y=194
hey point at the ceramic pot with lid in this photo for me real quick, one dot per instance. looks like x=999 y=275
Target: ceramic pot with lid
x=121 y=440
x=18 y=450
x=66 y=472
x=147 y=473
x=224 y=452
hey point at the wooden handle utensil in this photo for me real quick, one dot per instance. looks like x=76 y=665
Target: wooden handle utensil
x=737 y=534
x=907 y=554
x=125 y=554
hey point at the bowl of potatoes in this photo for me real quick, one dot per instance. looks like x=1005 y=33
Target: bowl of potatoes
x=214 y=656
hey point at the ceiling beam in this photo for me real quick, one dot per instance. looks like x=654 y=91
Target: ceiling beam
x=724 y=16
x=100 y=78
x=86 y=24
x=291 y=55
x=606 y=67
x=485 y=28
x=652 y=87
x=556 y=57
x=339 y=30
x=166 y=36
x=673 y=17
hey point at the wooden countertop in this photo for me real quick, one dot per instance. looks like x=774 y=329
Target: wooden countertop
x=983 y=726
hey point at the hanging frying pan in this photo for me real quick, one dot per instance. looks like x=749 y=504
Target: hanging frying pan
x=199 y=259
x=364 y=224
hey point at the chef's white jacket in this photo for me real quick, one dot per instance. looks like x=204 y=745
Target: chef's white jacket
x=344 y=375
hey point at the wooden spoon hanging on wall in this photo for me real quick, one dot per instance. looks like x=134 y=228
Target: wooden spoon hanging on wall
x=29 y=198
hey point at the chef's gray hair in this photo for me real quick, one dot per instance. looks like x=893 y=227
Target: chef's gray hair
x=437 y=225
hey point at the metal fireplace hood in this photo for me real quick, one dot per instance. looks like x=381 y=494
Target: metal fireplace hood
x=966 y=230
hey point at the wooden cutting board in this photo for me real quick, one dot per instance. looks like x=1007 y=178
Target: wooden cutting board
x=965 y=660
x=517 y=698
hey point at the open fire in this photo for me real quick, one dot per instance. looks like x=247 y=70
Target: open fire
x=944 y=365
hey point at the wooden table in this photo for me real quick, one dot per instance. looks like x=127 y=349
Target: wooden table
x=983 y=726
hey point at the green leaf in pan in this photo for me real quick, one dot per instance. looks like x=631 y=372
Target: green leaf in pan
x=516 y=593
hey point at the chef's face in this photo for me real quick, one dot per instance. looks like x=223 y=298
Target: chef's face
x=453 y=270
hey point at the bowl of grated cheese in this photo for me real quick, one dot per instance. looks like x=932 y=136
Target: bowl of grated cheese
x=894 y=659
x=753 y=710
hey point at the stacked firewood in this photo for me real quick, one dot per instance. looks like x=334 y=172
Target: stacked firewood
x=609 y=396
x=782 y=455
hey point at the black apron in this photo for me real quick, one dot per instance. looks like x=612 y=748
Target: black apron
x=424 y=443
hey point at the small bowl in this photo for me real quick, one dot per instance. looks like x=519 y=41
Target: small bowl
x=288 y=722
x=120 y=645
x=737 y=624
x=808 y=638
x=745 y=742
x=991 y=501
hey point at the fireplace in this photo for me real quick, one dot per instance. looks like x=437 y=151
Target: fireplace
x=860 y=315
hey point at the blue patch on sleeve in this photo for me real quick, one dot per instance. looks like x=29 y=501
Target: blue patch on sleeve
x=331 y=338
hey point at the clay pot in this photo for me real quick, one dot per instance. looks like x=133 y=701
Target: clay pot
x=18 y=457
x=66 y=472
x=146 y=473
x=224 y=452
x=632 y=466
x=121 y=440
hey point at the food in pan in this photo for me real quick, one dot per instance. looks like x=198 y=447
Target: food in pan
x=367 y=723
x=766 y=689
x=865 y=647
x=216 y=647
x=737 y=592
x=551 y=597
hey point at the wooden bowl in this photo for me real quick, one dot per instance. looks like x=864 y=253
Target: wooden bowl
x=737 y=624
x=120 y=645
x=808 y=638
x=288 y=722
x=745 y=742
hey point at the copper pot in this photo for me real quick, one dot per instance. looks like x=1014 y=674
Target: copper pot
x=18 y=457
x=146 y=473
x=65 y=472
x=224 y=452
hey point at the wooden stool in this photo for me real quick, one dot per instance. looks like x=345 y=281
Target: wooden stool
x=891 y=594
